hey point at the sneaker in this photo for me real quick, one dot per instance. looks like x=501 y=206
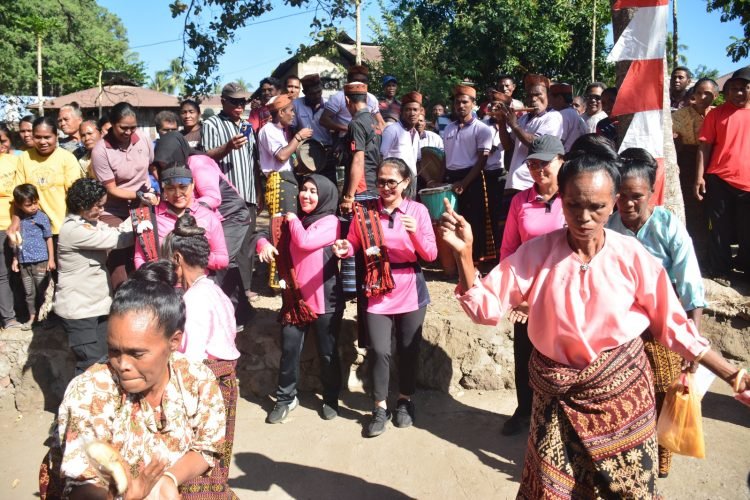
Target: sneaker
x=516 y=424
x=14 y=323
x=380 y=417
x=281 y=411
x=329 y=412
x=404 y=414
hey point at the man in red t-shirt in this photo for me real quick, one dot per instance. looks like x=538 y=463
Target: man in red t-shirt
x=725 y=149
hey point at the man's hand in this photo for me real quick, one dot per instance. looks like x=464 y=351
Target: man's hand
x=305 y=133
x=700 y=188
x=345 y=207
x=51 y=266
x=458 y=187
x=14 y=265
x=237 y=141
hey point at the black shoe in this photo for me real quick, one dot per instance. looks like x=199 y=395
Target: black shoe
x=329 y=412
x=516 y=424
x=281 y=411
x=380 y=417
x=404 y=414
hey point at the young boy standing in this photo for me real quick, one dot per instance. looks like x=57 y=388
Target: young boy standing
x=35 y=255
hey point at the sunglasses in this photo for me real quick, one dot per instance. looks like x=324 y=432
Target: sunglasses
x=389 y=183
x=594 y=97
x=236 y=101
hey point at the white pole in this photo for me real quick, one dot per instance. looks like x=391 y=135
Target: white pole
x=358 y=54
x=39 y=73
x=593 y=47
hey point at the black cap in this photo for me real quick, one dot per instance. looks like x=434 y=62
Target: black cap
x=176 y=175
x=545 y=148
x=742 y=74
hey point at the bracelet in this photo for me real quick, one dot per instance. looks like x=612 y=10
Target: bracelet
x=738 y=379
x=172 y=477
x=296 y=138
x=700 y=356
x=348 y=197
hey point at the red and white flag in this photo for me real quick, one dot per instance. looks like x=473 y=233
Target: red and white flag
x=643 y=42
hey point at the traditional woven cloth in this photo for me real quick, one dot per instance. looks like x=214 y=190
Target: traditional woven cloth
x=593 y=431
x=378 y=279
x=214 y=485
x=294 y=309
x=281 y=197
x=666 y=366
x=145 y=226
x=490 y=248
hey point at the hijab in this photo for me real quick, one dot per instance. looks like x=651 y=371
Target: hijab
x=172 y=147
x=327 y=199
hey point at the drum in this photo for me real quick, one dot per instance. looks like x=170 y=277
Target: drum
x=432 y=165
x=311 y=157
x=432 y=198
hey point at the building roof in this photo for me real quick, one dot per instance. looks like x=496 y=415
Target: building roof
x=110 y=95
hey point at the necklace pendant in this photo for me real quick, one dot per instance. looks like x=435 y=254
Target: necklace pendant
x=584 y=267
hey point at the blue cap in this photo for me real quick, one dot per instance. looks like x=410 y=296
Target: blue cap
x=388 y=79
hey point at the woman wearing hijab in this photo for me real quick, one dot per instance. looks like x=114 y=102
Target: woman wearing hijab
x=313 y=295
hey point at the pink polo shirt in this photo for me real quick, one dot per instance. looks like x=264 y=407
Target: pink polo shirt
x=210 y=327
x=578 y=311
x=218 y=258
x=410 y=292
x=530 y=216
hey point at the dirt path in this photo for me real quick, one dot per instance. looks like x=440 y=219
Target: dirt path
x=454 y=451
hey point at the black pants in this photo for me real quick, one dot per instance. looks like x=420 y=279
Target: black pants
x=521 y=355
x=728 y=210
x=293 y=339
x=246 y=255
x=87 y=338
x=408 y=337
x=471 y=207
x=7 y=313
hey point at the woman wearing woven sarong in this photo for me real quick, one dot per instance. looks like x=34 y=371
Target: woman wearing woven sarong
x=312 y=295
x=163 y=413
x=665 y=238
x=392 y=244
x=592 y=292
x=533 y=212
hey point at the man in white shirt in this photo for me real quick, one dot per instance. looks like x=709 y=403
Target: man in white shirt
x=401 y=140
x=467 y=146
x=336 y=116
x=561 y=100
x=309 y=109
x=594 y=112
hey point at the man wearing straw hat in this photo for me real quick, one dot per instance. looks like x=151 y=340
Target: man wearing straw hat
x=467 y=145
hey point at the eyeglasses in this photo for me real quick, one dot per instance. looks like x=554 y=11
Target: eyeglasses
x=594 y=97
x=236 y=101
x=389 y=183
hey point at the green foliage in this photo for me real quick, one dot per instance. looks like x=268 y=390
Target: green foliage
x=79 y=38
x=681 y=59
x=703 y=71
x=480 y=40
x=210 y=25
x=170 y=80
x=731 y=10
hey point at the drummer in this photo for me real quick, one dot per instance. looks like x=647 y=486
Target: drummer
x=309 y=108
x=401 y=140
x=467 y=147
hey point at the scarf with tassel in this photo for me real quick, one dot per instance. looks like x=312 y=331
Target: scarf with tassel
x=378 y=277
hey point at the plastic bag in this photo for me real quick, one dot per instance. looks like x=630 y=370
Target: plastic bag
x=680 y=425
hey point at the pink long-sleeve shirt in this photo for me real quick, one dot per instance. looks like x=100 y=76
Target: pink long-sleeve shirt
x=210 y=328
x=206 y=218
x=410 y=291
x=578 y=311
x=314 y=262
x=530 y=216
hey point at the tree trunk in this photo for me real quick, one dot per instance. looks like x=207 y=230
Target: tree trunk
x=39 y=93
x=675 y=45
x=673 y=200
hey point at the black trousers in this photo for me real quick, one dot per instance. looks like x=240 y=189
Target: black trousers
x=728 y=210
x=522 y=348
x=408 y=337
x=292 y=341
x=87 y=338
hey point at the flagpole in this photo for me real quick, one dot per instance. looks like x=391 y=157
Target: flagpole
x=593 y=47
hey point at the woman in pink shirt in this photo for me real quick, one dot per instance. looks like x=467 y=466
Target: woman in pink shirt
x=178 y=199
x=592 y=292
x=317 y=271
x=408 y=236
x=533 y=212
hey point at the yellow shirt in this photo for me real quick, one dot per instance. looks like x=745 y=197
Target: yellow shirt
x=52 y=176
x=9 y=166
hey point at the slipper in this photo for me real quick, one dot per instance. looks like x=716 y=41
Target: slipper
x=13 y=324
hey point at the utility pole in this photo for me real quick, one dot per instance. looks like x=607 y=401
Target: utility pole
x=358 y=50
x=39 y=73
x=593 y=46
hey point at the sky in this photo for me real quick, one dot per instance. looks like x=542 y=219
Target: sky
x=260 y=47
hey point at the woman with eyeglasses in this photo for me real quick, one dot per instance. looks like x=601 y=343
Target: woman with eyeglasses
x=533 y=212
x=407 y=236
x=178 y=198
x=120 y=162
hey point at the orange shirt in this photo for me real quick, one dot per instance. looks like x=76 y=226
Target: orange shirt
x=727 y=128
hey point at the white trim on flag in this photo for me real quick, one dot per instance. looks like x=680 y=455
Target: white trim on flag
x=646 y=131
x=644 y=38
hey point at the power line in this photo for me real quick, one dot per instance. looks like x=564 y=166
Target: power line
x=248 y=24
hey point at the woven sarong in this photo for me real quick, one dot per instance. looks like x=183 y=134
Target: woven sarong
x=593 y=431
x=214 y=485
x=281 y=197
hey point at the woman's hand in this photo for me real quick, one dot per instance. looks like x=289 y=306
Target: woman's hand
x=14 y=265
x=340 y=248
x=456 y=232
x=409 y=223
x=151 y=199
x=165 y=489
x=141 y=487
x=268 y=253
x=290 y=216
x=51 y=266
x=519 y=314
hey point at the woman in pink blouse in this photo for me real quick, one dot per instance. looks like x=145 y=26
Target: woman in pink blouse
x=533 y=212
x=408 y=236
x=592 y=292
x=317 y=272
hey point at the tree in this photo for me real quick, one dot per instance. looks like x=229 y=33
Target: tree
x=731 y=10
x=207 y=40
x=681 y=60
x=703 y=71
x=86 y=40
